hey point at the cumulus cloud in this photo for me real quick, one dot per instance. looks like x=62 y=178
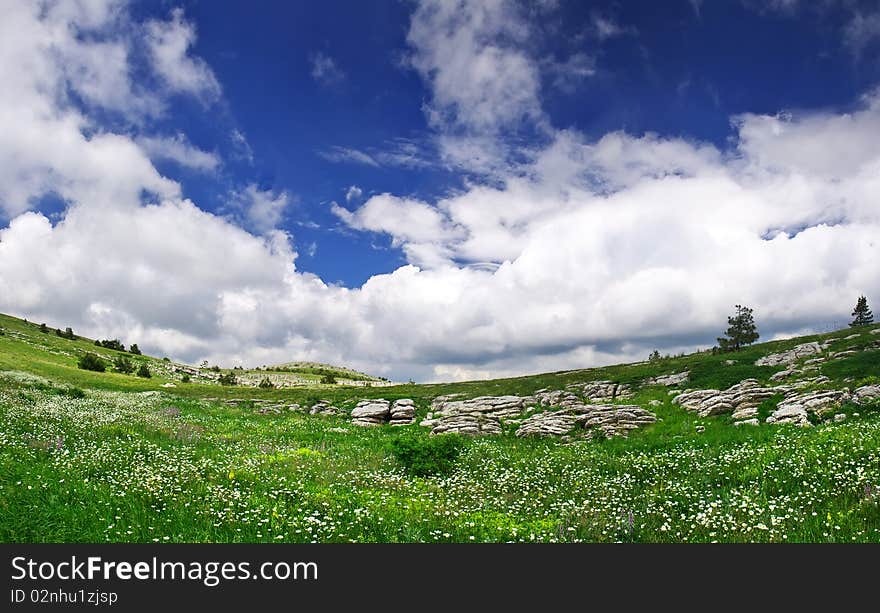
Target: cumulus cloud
x=263 y=208
x=169 y=45
x=353 y=193
x=588 y=252
x=178 y=149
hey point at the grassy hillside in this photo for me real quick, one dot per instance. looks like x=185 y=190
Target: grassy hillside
x=88 y=456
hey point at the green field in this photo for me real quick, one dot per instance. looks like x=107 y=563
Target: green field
x=91 y=457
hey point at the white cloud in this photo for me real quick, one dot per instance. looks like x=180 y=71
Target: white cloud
x=592 y=251
x=169 y=45
x=178 y=149
x=353 y=193
x=264 y=209
x=347 y=154
x=470 y=53
x=325 y=70
x=605 y=27
x=242 y=147
x=862 y=30
x=571 y=72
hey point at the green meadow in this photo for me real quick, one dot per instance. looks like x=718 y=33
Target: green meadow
x=104 y=456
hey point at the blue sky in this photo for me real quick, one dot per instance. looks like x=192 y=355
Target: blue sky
x=437 y=189
x=670 y=70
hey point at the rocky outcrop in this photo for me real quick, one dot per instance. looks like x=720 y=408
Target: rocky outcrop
x=558 y=398
x=604 y=419
x=792 y=355
x=323 y=407
x=600 y=391
x=374 y=412
x=378 y=411
x=669 y=380
x=796 y=408
x=403 y=412
x=475 y=416
x=866 y=394
x=741 y=400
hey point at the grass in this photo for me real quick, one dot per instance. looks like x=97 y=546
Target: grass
x=91 y=457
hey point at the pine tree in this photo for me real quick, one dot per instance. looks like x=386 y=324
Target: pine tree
x=862 y=314
x=741 y=330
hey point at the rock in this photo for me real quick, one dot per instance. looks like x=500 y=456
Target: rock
x=669 y=380
x=609 y=420
x=875 y=331
x=338 y=430
x=323 y=407
x=295 y=407
x=736 y=399
x=790 y=415
x=559 y=398
x=730 y=362
x=796 y=408
x=654 y=403
x=482 y=415
x=851 y=336
x=839 y=417
x=841 y=354
x=168 y=385
x=601 y=390
x=793 y=354
x=378 y=409
x=866 y=393
x=782 y=374
x=747 y=422
x=745 y=413
x=700 y=428
x=403 y=412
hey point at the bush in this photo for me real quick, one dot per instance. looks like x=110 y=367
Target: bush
x=184 y=379
x=227 y=379
x=90 y=361
x=423 y=457
x=44 y=329
x=113 y=343
x=123 y=365
x=266 y=383
x=328 y=379
x=134 y=349
x=143 y=371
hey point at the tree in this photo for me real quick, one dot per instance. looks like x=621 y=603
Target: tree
x=134 y=349
x=44 y=329
x=741 y=330
x=266 y=383
x=328 y=379
x=143 y=371
x=655 y=356
x=862 y=314
x=227 y=379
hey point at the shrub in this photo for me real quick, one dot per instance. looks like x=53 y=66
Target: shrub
x=143 y=371
x=90 y=361
x=227 y=379
x=266 y=383
x=123 y=365
x=134 y=349
x=44 y=329
x=113 y=343
x=423 y=457
x=184 y=378
x=328 y=379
